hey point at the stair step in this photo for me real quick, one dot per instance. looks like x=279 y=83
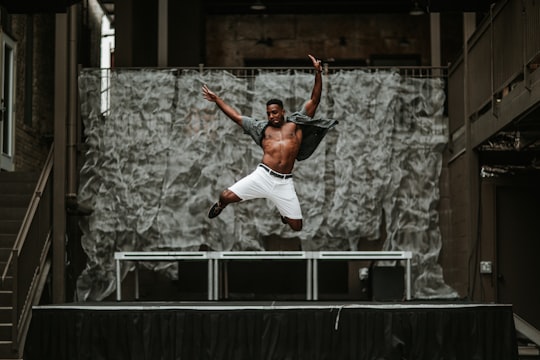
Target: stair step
x=10 y=272
x=529 y=350
x=6 y=350
x=5 y=314
x=8 y=281
x=14 y=200
x=12 y=213
x=10 y=227
x=18 y=176
x=18 y=188
x=4 y=254
x=6 y=298
x=7 y=240
x=2 y=266
x=5 y=331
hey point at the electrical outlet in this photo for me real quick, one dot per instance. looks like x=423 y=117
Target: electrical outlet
x=486 y=267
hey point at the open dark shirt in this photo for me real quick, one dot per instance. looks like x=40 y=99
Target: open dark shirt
x=313 y=131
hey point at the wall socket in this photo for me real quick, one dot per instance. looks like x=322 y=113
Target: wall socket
x=486 y=267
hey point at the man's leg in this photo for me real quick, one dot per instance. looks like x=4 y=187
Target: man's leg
x=286 y=200
x=250 y=187
x=225 y=198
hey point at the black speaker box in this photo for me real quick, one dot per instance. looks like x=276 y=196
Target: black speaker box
x=387 y=283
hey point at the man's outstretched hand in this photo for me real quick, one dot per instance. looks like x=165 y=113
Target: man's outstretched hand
x=208 y=94
x=317 y=64
x=228 y=110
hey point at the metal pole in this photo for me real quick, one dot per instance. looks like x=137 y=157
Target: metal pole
x=118 y=281
x=59 y=167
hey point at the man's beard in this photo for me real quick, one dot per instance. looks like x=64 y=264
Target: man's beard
x=276 y=125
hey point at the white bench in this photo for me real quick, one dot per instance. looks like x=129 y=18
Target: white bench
x=214 y=257
x=138 y=256
x=363 y=255
x=306 y=256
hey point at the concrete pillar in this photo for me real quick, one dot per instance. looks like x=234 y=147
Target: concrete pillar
x=163 y=33
x=136 y=33
x=160 y=33
x=471 y=170
x=186 y=33
x=435 y=32
x=59 y=167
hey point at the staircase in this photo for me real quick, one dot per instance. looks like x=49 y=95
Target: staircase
x=528 y=339
x=16 y=189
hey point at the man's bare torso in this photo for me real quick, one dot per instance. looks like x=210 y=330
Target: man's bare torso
x=280 y=146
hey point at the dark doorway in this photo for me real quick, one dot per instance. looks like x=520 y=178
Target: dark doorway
x=518 y=246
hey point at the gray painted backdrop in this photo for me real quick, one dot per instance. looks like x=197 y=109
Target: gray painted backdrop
x=158 y=158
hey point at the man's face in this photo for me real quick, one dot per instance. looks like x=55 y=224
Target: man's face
x=275 y=114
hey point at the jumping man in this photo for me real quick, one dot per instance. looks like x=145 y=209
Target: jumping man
x=283 y=140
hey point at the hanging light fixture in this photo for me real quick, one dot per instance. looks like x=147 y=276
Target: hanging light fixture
x=416 y=9
x=258 y=6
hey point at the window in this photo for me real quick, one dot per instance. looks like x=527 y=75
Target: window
x=7 y=119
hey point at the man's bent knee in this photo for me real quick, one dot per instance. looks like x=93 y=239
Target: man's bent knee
x=227 y=197
x=295 y=224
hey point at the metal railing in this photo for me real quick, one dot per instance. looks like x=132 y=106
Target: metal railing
x=250 y=73
x=503 y=51
x=527 y=330
x=29 y=252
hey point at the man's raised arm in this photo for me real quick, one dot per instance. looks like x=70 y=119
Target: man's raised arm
x=313 y=102
x=226 y=108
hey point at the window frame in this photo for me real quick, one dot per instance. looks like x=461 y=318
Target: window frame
x=7 y=101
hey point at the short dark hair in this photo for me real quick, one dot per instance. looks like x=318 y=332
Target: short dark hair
x=275 y=101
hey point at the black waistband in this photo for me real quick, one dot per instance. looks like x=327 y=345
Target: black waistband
x=276 y=174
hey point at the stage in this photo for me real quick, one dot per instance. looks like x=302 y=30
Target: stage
x=272 y=330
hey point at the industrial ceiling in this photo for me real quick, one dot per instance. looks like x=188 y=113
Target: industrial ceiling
x=280 y=6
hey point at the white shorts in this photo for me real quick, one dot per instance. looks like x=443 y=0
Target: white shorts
x=260 y=184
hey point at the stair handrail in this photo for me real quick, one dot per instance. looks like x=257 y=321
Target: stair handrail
x=527 y=329
x=30 y=212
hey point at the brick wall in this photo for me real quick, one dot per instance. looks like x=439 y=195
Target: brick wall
x=231 y=39
x=34 y=89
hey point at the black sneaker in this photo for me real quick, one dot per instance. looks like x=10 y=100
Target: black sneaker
x=215 y=210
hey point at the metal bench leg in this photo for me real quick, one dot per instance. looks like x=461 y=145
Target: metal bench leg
x=137 y=281
x=210 y=285
x=118 y=281
x=315 y=280
x=309 y=279
x=408 y=279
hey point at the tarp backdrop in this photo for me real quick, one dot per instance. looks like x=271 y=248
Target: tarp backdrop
x=159 y=156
